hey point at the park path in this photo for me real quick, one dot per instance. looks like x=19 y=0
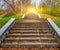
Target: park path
x=31 y=16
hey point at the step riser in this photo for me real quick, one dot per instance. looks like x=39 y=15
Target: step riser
x=42 y=41
x=28 y=36
x=30 y=48
x=31 y=44
x=29 y=32
x=30 y=28
x=29 y=39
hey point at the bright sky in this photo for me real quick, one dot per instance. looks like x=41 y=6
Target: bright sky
x=36 y=1
x=33 y=1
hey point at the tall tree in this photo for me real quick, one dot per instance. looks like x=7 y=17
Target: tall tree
x=10 y=4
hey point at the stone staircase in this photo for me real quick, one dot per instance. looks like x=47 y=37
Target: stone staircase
x=29 y=35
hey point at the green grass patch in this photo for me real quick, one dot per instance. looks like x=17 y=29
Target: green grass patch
x=54 y=18
x=3 y=20
x=57 y=21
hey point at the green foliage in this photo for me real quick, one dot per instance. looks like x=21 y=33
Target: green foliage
x=57 y=21
x=9 y=13
x=3 y=20
x=0 y=13
x=54 y=18
x=52 y=11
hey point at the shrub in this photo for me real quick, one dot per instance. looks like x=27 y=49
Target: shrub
x=9 y=13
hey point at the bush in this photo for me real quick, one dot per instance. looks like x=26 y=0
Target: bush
x=10 y=13
x=52 y=11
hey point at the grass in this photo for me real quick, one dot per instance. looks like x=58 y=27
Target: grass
x=3 y=20
x=54 y=18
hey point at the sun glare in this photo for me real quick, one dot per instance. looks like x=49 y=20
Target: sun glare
x=32 y=10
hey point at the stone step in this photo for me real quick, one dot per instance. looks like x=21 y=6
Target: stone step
x=30 y=40
x=29 y=44
x=14 y=39
x=30 y=25
x=30 y=21
x=29 y=34
x=30 y=28
x=37 y=31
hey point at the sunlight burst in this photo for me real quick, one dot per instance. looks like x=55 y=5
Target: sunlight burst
x=32 y=10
